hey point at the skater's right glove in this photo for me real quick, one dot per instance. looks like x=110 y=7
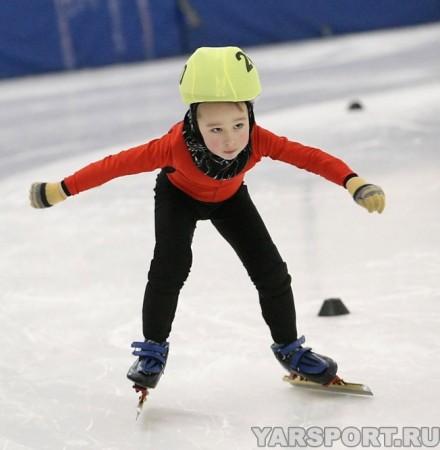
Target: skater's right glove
x=45 y=195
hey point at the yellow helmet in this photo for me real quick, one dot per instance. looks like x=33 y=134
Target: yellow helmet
x=219 y=74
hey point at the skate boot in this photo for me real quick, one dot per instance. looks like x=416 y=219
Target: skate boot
x=148 y=368
x=303 y=362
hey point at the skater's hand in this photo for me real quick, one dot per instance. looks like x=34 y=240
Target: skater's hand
x=369 y=196
x=44 y=195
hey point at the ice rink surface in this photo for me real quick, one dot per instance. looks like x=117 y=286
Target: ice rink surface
x=73 y=276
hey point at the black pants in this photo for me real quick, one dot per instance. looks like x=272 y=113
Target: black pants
x=239 y=222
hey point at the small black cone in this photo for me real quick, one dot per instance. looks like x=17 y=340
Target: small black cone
x=333 y=307
x=355 y=105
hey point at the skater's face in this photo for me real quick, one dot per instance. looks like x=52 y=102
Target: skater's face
x=224 y=127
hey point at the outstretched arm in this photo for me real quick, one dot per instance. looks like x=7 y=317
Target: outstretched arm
x=314 y=160
x=143 y=158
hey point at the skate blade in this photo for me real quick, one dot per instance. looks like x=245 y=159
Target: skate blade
x=142 y=398
x=338 y=386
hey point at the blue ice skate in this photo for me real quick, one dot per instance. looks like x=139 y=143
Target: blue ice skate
x=149 y=367
x=302 y=361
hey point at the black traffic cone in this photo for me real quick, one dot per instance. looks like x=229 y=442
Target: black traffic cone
x=333 y=307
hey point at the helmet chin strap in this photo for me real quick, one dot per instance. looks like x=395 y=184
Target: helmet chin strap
x=250 y=107
x=193 y=122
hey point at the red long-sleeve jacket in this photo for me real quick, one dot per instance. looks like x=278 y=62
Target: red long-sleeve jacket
x=171 y=151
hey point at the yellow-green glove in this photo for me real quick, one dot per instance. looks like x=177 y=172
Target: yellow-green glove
x=370 y=196
x=45 y=195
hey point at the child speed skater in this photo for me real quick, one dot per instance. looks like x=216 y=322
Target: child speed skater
x=202 y=162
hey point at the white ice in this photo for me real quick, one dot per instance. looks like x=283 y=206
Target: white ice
x=72 y=277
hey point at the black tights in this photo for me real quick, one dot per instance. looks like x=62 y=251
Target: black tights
x=239 y=222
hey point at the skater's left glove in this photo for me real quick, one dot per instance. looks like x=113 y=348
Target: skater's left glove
x=45 y=195
x=369 y=196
